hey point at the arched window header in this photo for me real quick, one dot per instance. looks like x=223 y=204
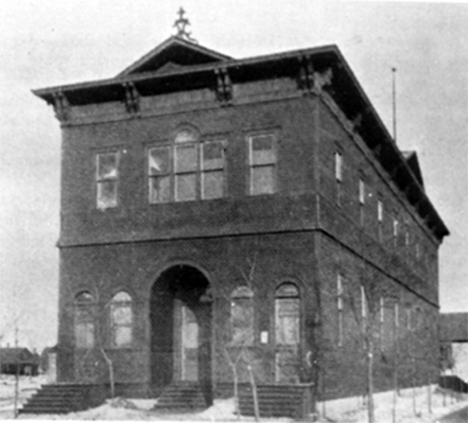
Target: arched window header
x=186 y=135
x=121 y=297
x=242 y=292
x=287 y=290
x=84 y=297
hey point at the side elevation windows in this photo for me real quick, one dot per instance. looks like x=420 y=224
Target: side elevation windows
x=338 y=176
x=262 y=161
x=187 y=169
x=84 y=320
x=362 y=199
x=107 y=179
x=380 y=217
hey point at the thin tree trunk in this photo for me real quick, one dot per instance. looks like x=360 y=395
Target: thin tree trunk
x=370 y=378
x=254 y=393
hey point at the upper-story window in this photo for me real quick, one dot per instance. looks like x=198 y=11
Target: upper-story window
x=380 y=217
x=395 y=231
x=107 y=179
x=338 y=175
x=186 y=170
x=262 y=160
x=362 y=199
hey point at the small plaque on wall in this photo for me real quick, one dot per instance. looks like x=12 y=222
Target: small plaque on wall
x=264 y=337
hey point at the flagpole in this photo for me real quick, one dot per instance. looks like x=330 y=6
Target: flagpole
x=394 y=103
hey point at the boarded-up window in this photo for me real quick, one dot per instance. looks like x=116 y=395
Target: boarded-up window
x=159 y=171
x=84 y=320
x=106 y=177
x=121 y=319
x=242 y=316
x=262 y=164
x=212 y=169
x=287 y=315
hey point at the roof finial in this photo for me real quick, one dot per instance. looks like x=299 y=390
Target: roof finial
x=180 y=24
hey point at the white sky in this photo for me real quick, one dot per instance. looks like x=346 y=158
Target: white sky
x=51 y=42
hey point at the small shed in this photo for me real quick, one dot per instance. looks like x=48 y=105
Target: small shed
x=453 y=335
x=19 y=360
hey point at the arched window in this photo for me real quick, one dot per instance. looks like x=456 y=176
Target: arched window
x=287 y=313
x=84 y=320
x=187 y=169
x=242 y=316
x=121 y=318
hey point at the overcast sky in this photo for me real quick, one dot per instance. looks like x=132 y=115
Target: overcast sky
x=51 y=42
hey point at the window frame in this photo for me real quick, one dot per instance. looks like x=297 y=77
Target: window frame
x=252 y=166
x=87 y=307
x=199 y=171
x=243 y=293
x=101 y=180
x=114 y=327
x=339 y=161
x=340 y=307
x=362 y=199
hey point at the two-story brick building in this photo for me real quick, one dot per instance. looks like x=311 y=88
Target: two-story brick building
x=212 y=206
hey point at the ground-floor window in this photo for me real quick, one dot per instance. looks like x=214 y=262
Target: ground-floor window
x=84 y=320
x=121 y=319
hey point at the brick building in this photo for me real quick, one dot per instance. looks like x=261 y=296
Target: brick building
x=212 y=206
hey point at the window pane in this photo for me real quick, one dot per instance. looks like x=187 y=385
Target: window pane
x=263 y=150
x=242 y=321
x=338 y=166
x=213 y=155
x=287 y=321
x=122 y=336
x=263 y=180
x=186 y=158
x=213 y=184
x=84 y=335
x=159 y=161
x=186 y=187
x=107 y=194
x=107 y=166
x=159 y=189
x=122 y=314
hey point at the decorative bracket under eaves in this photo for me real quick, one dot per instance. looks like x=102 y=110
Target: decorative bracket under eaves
x=223 y=86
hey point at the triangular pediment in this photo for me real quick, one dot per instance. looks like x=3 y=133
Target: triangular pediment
x=412 y=160
x=174 y=53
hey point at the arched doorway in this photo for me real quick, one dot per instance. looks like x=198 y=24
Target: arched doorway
x=180 y=317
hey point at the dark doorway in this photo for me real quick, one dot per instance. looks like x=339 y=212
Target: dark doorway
x=180 y=316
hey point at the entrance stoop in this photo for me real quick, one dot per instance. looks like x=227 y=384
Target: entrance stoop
x=182 y=396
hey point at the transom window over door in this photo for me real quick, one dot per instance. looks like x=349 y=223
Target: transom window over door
x=262 y=156
x=187 y=170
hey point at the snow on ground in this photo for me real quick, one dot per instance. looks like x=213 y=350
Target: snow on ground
x=411 y=406
x=423 y=405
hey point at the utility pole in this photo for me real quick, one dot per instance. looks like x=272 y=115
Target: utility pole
x=15 y=410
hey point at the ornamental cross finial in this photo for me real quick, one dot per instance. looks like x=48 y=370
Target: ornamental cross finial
x=181 y=24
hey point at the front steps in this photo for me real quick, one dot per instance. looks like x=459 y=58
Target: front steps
x=275 y=401
x=181 y=397
x=57 y=399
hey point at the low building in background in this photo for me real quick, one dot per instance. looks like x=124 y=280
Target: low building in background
x=19 y=361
